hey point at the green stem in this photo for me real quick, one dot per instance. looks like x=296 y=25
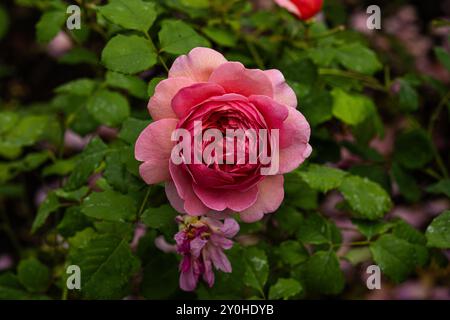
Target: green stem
x=254 y=53
x=355 y=243
x=436 y=113
x=431 y=126
x=328 y=33
x=144 y=202
x=369 y=81
x=147 y=35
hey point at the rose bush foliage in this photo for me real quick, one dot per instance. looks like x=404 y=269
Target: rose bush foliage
x=85 y=177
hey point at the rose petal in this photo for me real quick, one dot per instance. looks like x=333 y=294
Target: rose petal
x=287 y=4
x=282 y=92
x=219 y=199
x=219 y=259
x=230 y=228
x=183 y=183
x=274 y=113
x=154 y=147
x=172 y=195
x=160 y=104
x=270 y=196
x=297 y=129
x=197 y=65
x=235 y=78
x=188 y=280
x=193 y=95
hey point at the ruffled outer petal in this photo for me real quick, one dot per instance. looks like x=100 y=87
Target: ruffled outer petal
x=193 y=95
x=154 y=147
x=282 y=92
x=296 y=129
x=235 y=78
x=160 y=104
x=270 y=196
x=197 y=65
x=219 y=199
x=183 y=183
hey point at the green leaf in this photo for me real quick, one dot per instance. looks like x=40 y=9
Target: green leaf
x=438 y=232
x=408 y=98
x=160 y=276
x=60 y=167
x=134 y=85
x=87 y=162
x=4 y=22
x=33 y=275
x=315 y=229
x=7 y=121
x=161 y=218
x=413 y=149
x=28 y=130
x=257 y=269
x=177 y=37
x=130 y=14
x=49 y=25
x=284 y=289
x=82 y=238
x=350 y=108
x=396 y=257
x=359 y=58
x=406 y=183
x=79 y=55
x=11 y=288
x=358 y=255
x=128 y=54
x=107 y=265
x=109 y=108
x=367 y=199
x=299 y=194
x=322 y=178
x=322 y=274
x=109 y=205
x=443 y=56
x=372 y=228
x=50 y=205
x=316 y=107
x=292 y=252
x=303 y=71
x=75 y=195
x=131 y=129
x=73 y=221
x=123 y=230
x=81 y=87
x=196 y=3
x=442 y=187
x=375 y=173
x=221 y=36
x=289 y=219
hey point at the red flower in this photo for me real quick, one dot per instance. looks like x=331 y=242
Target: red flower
x=304 y=9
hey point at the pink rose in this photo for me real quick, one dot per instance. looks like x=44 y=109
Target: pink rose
x=204 y=86
x=303 y=9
